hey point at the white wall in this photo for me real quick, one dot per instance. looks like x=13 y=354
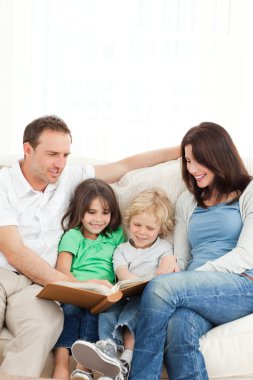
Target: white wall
x=126 y=75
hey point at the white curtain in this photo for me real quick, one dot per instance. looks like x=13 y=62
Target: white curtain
x=126 y=75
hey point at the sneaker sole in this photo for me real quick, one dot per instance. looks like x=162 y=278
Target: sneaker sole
x=79 y=377
x=88 y=355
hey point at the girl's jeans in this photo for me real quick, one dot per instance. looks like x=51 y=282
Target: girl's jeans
x=190 y=304
x=123 y=313
x=79 y=323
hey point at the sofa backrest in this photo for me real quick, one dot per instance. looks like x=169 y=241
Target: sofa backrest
x=166 y=176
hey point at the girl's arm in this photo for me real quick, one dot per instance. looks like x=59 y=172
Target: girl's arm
x=63 y=264
x=167 y=264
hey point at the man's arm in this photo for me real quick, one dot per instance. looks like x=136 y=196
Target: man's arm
x=24 y=260
x=114 y=171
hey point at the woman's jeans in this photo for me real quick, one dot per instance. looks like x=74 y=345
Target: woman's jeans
x=182 y=307
x=122 y=313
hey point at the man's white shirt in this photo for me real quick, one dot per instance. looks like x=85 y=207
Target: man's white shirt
x=37 y=214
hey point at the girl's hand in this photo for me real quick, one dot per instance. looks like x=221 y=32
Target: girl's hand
x=167 y=264
x=102 y=282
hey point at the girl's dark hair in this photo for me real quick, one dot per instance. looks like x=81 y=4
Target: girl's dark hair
x=84 y=194
x=213 y=148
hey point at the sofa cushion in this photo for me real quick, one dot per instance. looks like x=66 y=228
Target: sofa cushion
x=166 y=176
x=228 y=350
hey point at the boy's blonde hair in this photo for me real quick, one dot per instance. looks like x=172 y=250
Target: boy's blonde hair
x=153 y=201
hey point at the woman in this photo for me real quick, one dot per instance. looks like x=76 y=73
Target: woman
x=214 y=243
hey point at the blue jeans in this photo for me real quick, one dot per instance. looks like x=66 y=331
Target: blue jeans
x=123 y=313
x=183 y=306
x=79 y=323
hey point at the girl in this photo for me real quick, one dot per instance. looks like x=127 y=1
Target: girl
x=147 y=253
x=92 y=232
x=213 y=237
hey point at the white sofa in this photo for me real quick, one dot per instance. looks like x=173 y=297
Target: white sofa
x=228 y=349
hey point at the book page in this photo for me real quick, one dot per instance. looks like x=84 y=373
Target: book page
x=130 y=281
x=92 y=286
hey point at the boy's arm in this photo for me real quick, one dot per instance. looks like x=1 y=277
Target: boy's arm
x=123 y=273
x=167 y=264
x=114 y=171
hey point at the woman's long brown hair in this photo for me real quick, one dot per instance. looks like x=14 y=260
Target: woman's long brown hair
x=213 y=148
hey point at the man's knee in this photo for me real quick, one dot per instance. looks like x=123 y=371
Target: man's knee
x=52 y=323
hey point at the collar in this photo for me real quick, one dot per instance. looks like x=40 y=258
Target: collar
x=22 y=186
x=154 y=245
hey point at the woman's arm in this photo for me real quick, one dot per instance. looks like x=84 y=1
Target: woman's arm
x=182 y=249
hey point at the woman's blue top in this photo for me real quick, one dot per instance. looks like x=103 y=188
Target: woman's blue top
x=213 y=232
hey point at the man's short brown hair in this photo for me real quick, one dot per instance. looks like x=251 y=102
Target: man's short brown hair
x=33 y=130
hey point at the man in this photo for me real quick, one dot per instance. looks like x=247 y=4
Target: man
x=34 y=194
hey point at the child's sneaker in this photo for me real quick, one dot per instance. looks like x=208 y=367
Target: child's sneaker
x=125 y=369
x=101 y=356
x=78 y=374
x=108 y=347
x=124 y=372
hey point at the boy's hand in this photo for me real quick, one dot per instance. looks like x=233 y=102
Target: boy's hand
x=167 y=264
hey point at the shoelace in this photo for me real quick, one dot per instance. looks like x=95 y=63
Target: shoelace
x=124 y=372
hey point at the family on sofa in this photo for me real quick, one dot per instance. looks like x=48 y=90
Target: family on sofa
x=210 y=279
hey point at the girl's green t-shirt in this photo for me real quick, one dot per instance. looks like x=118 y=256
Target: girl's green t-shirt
x=92 y=259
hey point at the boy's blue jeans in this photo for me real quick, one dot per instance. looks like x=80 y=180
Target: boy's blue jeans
x=182 y=307
x=123 y=313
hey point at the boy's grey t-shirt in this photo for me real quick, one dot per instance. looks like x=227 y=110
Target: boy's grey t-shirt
x=141 y=262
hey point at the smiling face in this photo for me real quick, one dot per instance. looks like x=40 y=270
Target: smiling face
x=44 y=164
x=143 y=230
x=95 y=219
x=204 y=177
